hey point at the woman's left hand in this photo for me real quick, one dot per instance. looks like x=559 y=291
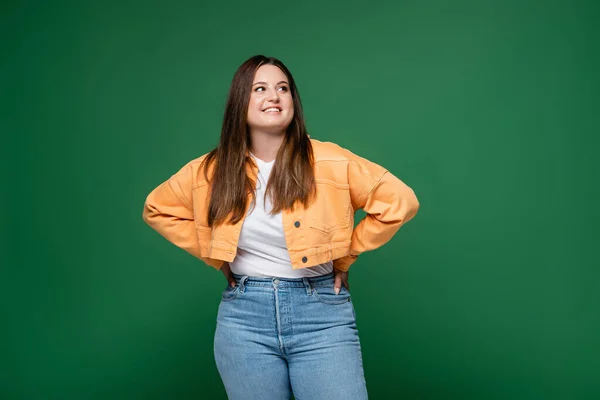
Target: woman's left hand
x=340 y=278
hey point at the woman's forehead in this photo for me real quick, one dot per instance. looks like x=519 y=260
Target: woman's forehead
x=269 y=73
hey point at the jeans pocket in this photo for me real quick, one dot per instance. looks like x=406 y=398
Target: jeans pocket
x=230 y=293
x=325 y=294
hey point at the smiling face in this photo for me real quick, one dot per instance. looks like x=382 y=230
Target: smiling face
x=271 y=107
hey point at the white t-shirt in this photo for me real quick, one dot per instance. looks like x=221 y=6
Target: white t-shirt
x=262 y=250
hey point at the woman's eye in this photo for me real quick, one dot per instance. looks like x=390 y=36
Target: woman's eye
x=283 y=88
x=259 y=89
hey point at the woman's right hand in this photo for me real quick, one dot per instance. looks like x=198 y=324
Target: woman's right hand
x=228 y=275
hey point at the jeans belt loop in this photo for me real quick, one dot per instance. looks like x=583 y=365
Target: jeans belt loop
x=242 y=282
x=308 y=286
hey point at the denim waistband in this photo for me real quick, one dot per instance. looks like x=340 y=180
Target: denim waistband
x=321 y=280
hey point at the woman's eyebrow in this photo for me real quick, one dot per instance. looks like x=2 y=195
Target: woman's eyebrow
x=264 y=83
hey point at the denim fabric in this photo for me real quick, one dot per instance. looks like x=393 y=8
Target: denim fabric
x=278 y=336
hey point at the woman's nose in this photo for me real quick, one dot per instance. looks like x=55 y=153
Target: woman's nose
x=273 y=95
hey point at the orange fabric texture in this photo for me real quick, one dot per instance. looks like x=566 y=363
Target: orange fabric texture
x=323 y=231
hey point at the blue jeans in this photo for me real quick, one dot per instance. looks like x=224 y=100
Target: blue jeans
x=278 y=336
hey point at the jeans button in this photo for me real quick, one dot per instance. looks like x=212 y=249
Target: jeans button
x=276 y=281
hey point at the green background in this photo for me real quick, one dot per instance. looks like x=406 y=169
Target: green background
x=488 y=109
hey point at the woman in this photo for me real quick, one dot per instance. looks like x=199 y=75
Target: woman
x=274 y=210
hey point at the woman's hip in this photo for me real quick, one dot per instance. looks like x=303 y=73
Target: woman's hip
x=286 y=306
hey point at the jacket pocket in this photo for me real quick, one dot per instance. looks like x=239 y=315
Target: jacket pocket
x=332 y=208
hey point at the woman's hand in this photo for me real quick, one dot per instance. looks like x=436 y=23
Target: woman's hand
x=228 y=275
x=340 y=278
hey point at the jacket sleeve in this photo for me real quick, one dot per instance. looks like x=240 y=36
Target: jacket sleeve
x=388 y=202
x=169 y=211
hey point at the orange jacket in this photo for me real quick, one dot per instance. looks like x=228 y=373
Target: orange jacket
x=324 y=231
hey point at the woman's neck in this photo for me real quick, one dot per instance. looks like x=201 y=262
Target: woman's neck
x=265 y=146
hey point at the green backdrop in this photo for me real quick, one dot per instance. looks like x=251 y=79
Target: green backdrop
x=488 y=109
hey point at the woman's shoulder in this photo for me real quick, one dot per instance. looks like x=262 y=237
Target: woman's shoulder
x=193 y=171
x=328 y=151
x=197 y=162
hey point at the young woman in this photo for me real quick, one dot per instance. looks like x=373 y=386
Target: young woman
x=274 y=210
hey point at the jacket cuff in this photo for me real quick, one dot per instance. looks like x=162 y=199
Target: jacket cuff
x=216 y=264
x=343 y=264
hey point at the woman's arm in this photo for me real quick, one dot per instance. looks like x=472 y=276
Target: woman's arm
x=388 y=202
x=168 y=210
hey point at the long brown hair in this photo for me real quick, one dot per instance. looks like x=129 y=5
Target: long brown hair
x=292 y=178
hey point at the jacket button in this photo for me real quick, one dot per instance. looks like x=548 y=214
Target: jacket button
x=297 y=224
x=304 y=259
